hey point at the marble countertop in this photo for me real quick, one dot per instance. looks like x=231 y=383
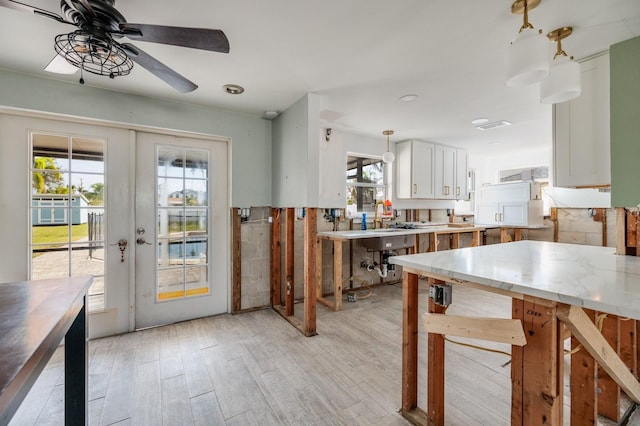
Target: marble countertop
x=357 y=234
x=586 y=276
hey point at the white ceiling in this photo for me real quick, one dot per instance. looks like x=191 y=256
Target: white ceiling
x=360 y=55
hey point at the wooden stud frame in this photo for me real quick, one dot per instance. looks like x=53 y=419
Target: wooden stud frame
x=236 y=233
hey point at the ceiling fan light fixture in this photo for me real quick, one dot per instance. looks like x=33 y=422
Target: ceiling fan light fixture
x=527 y=59
x=388 y=156
x=101 y=56
x=564 y=81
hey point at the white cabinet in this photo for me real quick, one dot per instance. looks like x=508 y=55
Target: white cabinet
x=509 y=204
x=445 y=172
x=430 y=171
x=462 y=174
x=581 y=140
x=414 y=169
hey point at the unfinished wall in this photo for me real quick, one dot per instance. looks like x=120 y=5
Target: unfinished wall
x=256 y=255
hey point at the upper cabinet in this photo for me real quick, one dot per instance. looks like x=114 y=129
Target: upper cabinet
x=581 y=138
x=414 y=169
x=430 y=171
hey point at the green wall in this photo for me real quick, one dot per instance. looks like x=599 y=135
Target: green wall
x=625 y=123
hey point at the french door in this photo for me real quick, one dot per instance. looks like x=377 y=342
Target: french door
x=181 y=225
x=97 y=196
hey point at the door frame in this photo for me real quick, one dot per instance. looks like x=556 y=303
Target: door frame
x=131 y=234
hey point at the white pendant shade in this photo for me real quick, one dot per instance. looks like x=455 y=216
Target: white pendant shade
x=388 y=157
x=527 y=58
x=563 y=83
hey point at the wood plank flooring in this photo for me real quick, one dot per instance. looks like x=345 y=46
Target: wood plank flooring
x=256 y=369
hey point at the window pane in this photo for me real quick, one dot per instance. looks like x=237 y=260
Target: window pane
x=183 y=215
x=197 y=164
x=50 y=262
x=95 y=296
x=170 y=283
x=170 y=162
x=83 y=263
x=196 y=250
x=170 y=192
x=50 y=152
x=67 y=235
x=195 y=192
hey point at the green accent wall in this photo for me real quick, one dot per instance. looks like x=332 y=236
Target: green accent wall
x=625 y=123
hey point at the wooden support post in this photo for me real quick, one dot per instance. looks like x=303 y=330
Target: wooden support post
x=621 y=231
x=236 y=232
x=629 y=344
x=554 y=219
x=583 y=383
x=276 y=260
x=289 y=226
x=319 y=272
x=433 y=242
x=310 y=277
x=435 y=368
x=409 y=342
x=632 y=234
x=455 y=240
x=475 y=238
x=609 y=398
x=517 y=234
x=337 y=275
x=504 y=235
x=536 y=368
x=592 y=340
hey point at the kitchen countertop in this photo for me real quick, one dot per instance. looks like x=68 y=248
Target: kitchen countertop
x=586 y=276
x=357 y=234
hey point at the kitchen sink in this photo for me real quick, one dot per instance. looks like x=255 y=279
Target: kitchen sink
x=388 y=241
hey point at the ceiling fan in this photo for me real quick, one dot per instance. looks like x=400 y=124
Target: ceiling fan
x=93 y=46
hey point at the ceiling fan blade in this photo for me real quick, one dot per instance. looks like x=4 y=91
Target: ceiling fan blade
x=31 y=9
x=197 y=38
x=160 y=70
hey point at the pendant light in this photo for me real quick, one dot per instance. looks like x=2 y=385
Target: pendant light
x=564 y=81
x=388 y=156
x=528 y=53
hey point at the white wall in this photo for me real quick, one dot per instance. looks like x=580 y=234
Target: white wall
x=250 y=135
x=487 y=167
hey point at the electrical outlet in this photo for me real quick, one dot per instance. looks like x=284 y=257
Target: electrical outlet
x=441 y=294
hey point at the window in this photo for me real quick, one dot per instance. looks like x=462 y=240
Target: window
x=365 y=184
x=182 y=222
x=67 y=210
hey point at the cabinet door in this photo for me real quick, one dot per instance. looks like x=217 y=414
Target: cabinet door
x=422 y=170
x=581 y=130
x=514 y=213
x=445 y=172
x=487 y=213
x=462 y=170
x=403 y=166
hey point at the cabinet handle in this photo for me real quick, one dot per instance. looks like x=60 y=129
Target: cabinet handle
x=457 y=190
x=446 y=190
x=495 y=217
x=415 y=188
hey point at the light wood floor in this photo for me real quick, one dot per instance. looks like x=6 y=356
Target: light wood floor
x=256 y=369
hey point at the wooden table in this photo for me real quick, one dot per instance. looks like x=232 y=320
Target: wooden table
x=339 y=237
x=550 y=284
x=34 y=318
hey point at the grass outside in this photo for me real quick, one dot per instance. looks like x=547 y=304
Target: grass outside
x=56 y=235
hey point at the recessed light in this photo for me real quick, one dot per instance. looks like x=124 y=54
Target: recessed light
x=233 y=89
x=493 y=125
x=408 y=98
x=479 y=121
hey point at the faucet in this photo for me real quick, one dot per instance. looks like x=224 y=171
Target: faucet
x=378 y=219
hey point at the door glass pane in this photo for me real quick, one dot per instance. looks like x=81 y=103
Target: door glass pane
x=182 y=212
x=67 y=210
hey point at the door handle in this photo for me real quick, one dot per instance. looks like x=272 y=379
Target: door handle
x=122 y=246
x=141 y=241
